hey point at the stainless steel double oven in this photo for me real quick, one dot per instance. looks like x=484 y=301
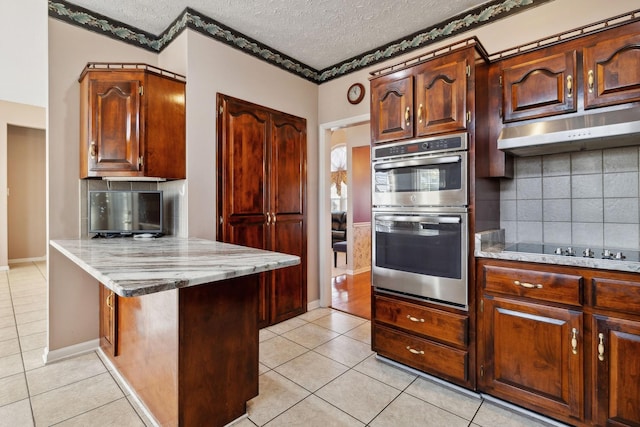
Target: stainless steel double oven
x=420 y=212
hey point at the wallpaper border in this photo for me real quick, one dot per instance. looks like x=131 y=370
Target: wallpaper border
x=209 y=27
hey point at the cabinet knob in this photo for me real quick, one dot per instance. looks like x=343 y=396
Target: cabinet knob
x=93 y=150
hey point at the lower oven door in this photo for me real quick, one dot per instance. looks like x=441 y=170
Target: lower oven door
x=422 y=255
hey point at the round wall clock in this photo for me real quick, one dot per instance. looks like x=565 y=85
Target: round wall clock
x=355 y=94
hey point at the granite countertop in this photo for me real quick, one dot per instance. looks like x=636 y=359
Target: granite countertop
x=491 y=244
x=133 y=267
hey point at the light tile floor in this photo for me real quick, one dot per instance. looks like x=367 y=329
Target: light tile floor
x=315 y=370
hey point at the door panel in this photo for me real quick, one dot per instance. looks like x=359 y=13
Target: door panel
x=114 y=125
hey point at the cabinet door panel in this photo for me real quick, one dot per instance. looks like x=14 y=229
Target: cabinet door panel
x=617 y=371
x=540 y=87
x=114 y=125
x=288 y=285
x=528 y=356
x=392 y=107
x=441 y=96
x=612 y=75
x=288 y=153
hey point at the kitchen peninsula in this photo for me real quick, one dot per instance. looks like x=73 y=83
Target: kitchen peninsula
x=181 y=320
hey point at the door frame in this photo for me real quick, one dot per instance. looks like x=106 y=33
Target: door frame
x=324 y=200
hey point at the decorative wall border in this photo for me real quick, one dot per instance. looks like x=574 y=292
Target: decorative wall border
x=199 y=22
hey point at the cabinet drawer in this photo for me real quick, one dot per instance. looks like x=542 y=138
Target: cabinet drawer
x=441 y=325
x=421 y=354
x=541 y=285
x=620 y=295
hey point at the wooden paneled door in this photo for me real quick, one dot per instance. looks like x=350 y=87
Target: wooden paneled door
x=262 y=196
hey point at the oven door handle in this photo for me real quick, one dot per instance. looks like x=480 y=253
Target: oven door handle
x=421 y=219
x=418 y=162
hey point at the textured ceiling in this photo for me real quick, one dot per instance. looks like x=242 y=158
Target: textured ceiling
x=319 y=33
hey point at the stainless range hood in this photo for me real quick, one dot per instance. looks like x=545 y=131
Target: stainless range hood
x=576 y=133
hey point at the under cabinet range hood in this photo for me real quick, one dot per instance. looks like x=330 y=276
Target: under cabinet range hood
x=576 y=133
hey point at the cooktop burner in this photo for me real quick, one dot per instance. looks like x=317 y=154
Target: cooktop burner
x=550 y=249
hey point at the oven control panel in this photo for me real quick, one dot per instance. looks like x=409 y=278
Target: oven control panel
x=429 y=145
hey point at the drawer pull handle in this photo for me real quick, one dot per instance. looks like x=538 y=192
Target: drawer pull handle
x=527 y=285
x=574 y=341
x=569 y=86
x=420 y=113
x=590 y=81
x=407 y=116
x=601 y=347
x=414 y=319
x=414 y=351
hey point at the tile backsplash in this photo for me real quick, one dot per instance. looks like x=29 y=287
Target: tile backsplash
x=587 y=198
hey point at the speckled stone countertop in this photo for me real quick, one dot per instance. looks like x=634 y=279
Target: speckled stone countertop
x=490 y=244
x=133 y=267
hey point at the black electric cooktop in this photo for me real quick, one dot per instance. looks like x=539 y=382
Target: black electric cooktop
x=575 y=251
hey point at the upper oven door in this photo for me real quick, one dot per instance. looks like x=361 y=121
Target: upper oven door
x=436 y=180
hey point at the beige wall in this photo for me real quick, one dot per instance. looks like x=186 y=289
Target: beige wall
x=27 y=197
x=12 y=113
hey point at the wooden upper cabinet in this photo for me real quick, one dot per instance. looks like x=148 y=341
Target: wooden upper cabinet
x=425 y=99
x=611 y=71
x=441 y=94
x=114 y=124
x=539 y=86
x=392 y=107
x=132 y=122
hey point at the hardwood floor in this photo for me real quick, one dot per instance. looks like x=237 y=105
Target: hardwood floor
x=352 y=294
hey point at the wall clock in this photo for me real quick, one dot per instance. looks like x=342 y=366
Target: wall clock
x=355 y=94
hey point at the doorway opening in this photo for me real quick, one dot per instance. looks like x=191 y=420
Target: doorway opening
x=345 y=185
x=26 y=194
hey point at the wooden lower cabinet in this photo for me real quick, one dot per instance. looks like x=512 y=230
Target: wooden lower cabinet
x=430 y=339
x=532 y=354
x=616 y=363
x=191 y=354
x=559 y=340
x=108 y=321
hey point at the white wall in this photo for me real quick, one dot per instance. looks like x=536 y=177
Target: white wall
x=23 y=49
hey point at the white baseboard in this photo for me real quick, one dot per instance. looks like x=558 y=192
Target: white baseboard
x=23 y=260
x=4 y=268
x=70 y=351
x=313 y=305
